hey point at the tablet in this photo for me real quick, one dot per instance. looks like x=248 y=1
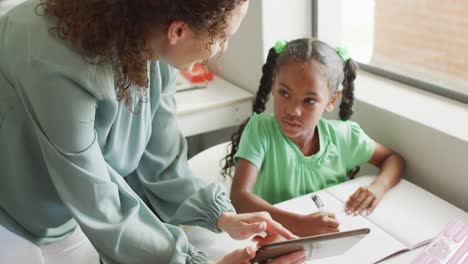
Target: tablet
x=315 y=247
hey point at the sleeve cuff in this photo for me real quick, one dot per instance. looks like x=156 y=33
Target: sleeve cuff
x=221 y=204
x=197 y=256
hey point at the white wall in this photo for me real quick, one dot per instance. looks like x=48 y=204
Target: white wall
x=244 y=56
x=266 y=22
x=284 y=20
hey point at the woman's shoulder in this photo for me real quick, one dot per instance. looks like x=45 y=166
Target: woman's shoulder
x=30 y=48
x=27 y=33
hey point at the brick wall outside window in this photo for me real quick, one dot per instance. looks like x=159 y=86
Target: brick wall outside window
x=428 y=38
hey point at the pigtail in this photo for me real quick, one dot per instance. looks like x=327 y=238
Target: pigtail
x=266 y=82
x=347 y=101
x=262 y=97
x=346 y=106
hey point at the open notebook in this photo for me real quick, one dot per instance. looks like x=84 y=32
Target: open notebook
x=404 y=220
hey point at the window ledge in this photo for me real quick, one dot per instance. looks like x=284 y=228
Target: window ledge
x=431 y=110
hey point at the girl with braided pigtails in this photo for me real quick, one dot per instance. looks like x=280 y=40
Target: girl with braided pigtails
x=295 y=151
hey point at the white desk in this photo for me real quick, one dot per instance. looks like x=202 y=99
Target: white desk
x=217 y=245
x=219 y=105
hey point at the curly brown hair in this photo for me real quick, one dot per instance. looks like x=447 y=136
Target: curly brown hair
x=106 y=31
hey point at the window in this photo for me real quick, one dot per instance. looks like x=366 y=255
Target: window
x=423 y=43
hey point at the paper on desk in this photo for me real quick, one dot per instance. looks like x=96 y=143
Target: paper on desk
x=405 y=210
x=375 y=246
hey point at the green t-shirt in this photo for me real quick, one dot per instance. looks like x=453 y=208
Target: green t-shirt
x=285 y=173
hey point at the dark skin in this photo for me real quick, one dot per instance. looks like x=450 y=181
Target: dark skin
x=301 y=97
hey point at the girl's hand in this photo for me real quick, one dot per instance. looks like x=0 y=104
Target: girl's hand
x=243 y=226
x=317 y=224
x=364 y=200
x=244 y=256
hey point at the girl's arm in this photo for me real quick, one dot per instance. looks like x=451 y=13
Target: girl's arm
x=245 y=201
x=391 y=165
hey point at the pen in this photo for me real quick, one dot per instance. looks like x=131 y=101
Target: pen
x=319 y=204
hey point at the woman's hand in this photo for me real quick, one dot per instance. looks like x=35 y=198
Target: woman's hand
x=245 y=255
x=364 y=200
x=297 y=257
x=238 y=256
x=316 y=224
x=243 y=226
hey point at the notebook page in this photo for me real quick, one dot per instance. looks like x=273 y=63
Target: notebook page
x=374 y=247
x=408 y=213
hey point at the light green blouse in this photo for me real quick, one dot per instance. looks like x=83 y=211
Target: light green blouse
x=285 y=173
x=66 y=143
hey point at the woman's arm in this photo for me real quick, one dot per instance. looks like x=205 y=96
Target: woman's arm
x=178 y=196
x=245 y=201
x=391 y=165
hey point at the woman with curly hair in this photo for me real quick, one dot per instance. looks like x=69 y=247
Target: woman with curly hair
x=91 y=159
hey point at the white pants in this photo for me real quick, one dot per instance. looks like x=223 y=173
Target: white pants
x=73 y=249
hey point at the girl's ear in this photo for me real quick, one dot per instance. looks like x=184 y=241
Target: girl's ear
x=331 y=104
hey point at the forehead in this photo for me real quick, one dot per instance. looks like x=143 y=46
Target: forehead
x=302 y=76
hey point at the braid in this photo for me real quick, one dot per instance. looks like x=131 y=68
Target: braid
x=264 y=90
x=262 y=97
x=346 y=106
x=226 y=171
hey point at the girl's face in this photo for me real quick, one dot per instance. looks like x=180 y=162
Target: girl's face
x=301 y=95
x=184 y=47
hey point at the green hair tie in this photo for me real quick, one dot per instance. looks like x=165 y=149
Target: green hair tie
x=343 y=53
x=280 y=45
